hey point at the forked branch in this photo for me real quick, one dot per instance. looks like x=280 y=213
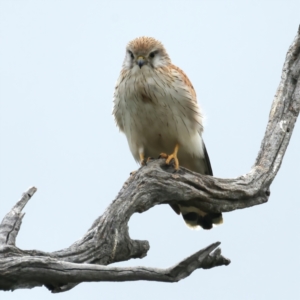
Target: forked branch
x=108 y=240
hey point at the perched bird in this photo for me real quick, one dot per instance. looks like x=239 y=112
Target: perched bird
x=155 y=106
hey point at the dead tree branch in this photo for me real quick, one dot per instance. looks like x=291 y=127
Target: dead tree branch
x=108 y=240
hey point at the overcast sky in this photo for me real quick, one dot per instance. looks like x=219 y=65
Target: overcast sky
x=59 y=61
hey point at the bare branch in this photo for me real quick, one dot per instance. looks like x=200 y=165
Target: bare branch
x=36 y=271
x=108 y=240
x=11 y=223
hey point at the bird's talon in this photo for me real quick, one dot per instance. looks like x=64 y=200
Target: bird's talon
x=171 y=157
x=144 y=161
x=176 y=164
x=149 y=159
x=163 y=155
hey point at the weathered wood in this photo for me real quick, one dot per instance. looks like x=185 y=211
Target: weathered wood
x=108 y=239
x=36 y=271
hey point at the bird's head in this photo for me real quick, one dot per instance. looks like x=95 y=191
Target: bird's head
x=145 y=51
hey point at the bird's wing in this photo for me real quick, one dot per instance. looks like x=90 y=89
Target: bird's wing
x=185 y=80
x=206 y=161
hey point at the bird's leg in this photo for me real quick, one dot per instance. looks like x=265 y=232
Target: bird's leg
x=142 y=159
x=172 y=156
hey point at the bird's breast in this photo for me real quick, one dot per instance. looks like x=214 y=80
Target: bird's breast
x=155 y=113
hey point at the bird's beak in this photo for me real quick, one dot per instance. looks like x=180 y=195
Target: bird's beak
x=140 y=61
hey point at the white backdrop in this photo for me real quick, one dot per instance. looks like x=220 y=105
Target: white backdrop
x=59 y=61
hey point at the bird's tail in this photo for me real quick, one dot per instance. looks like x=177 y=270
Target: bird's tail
x=193 y=219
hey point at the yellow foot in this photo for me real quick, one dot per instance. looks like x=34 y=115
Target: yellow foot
x=142 y=159
x=149 y=159
x=163 y=155
x=171 y=156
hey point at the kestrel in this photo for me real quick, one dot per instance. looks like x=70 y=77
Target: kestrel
x=155 y=106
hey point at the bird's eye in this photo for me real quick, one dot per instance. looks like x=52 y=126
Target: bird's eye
x=131 y=54
x=152 y=54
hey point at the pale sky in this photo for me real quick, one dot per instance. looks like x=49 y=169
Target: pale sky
x=59 y=61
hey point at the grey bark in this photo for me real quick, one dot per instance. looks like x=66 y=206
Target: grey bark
x=108 y=240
